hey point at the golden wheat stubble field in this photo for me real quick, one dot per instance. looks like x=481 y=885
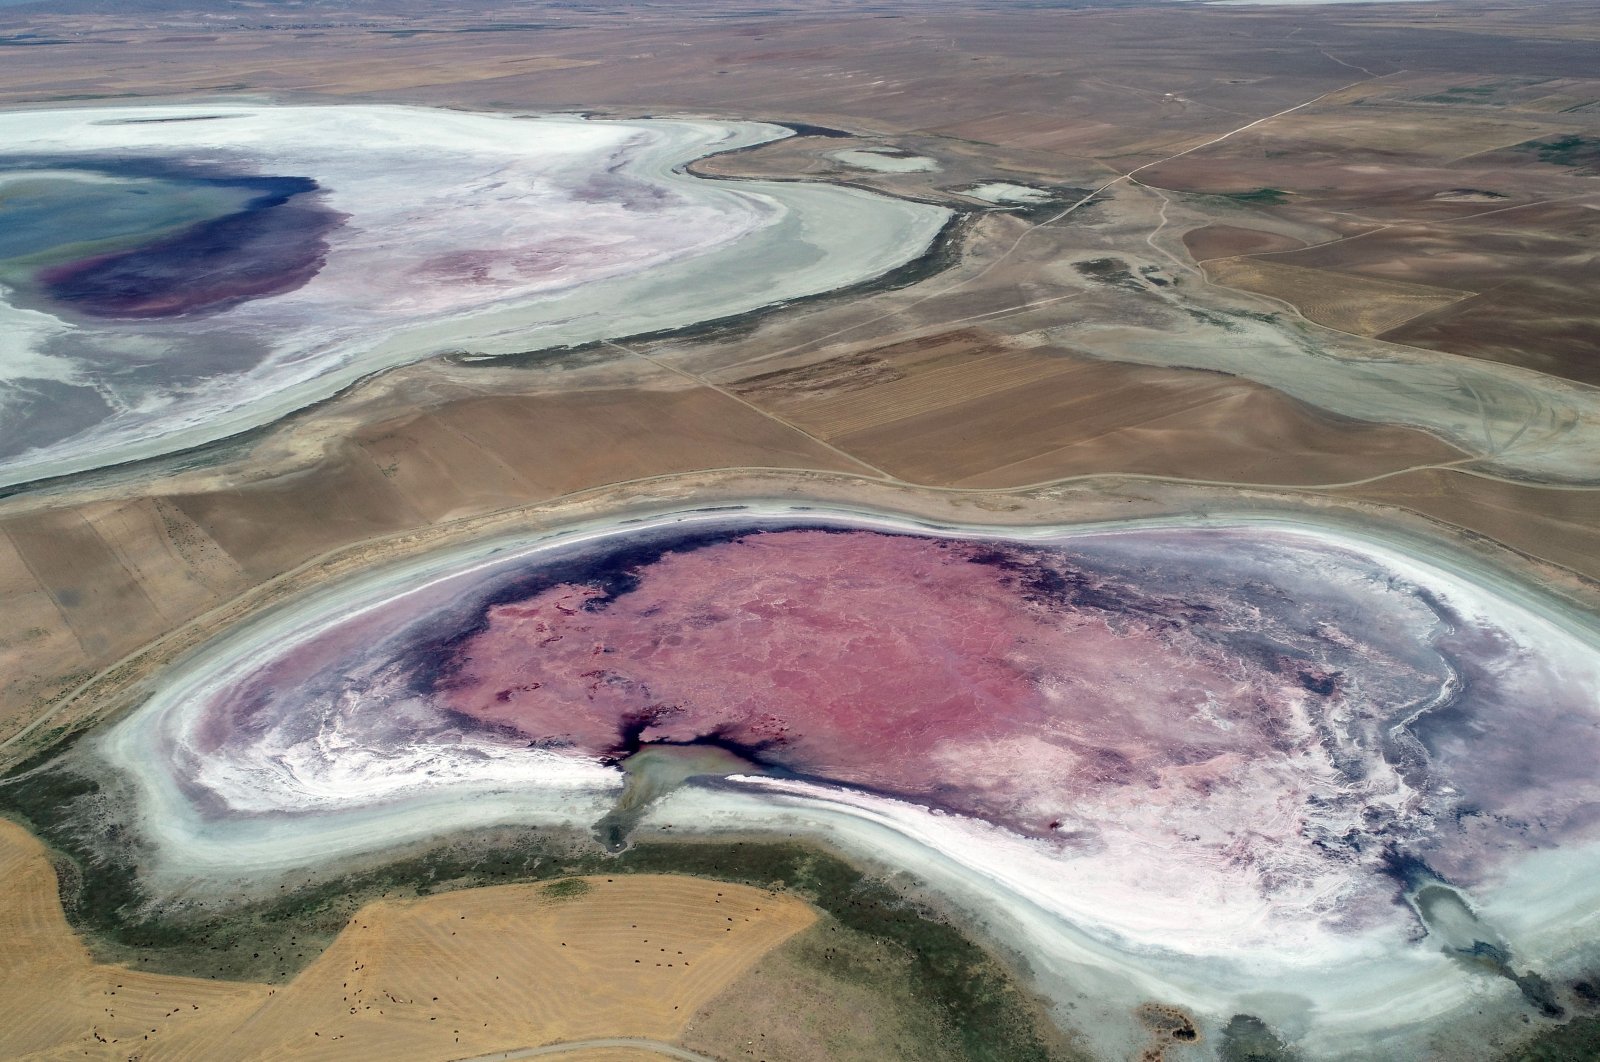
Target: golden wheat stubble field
x=440 y=977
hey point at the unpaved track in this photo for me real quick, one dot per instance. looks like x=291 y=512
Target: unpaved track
x=654 y=1047
x=1010 y=250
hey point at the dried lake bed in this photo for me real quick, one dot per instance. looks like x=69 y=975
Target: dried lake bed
x=1333 y=780
x=172 y=275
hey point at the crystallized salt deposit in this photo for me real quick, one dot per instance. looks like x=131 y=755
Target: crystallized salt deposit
x=1001 y=192
x=1199 y=765
x=409 y=232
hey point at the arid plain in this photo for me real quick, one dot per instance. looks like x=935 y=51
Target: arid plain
x=1266 y=259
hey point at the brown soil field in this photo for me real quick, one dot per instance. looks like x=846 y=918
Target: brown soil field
x=953 y=410
x=482 y=453
x=1379 y=129
x=1526 y=323
x=1097 y=82
x=1425 y=178
x=824 y=996
x=1229 y=241
x=1566 y=19
x=1527 y=262
x=905 y=379
x=1359 y=305
x=441 y=977
x=1560 y=526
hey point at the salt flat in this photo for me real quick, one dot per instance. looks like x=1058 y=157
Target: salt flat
x=1004 y=192
x=1264 y=850
x=884 y=161
x=439 y=231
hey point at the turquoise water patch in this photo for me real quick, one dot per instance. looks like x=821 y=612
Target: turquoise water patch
x=55 y=216
x=142 y=238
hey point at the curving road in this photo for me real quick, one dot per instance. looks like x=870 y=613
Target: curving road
x=627 y=1043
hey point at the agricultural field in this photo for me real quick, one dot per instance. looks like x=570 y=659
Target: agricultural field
x=1361 y=305
x=576 y=959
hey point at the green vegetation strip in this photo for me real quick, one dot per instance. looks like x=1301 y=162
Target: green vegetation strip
x=985 y=1013
x=1264 y=196
x=988 y=1015
x=1569 y=150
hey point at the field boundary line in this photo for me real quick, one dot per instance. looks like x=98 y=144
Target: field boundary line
x=626 y=1043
